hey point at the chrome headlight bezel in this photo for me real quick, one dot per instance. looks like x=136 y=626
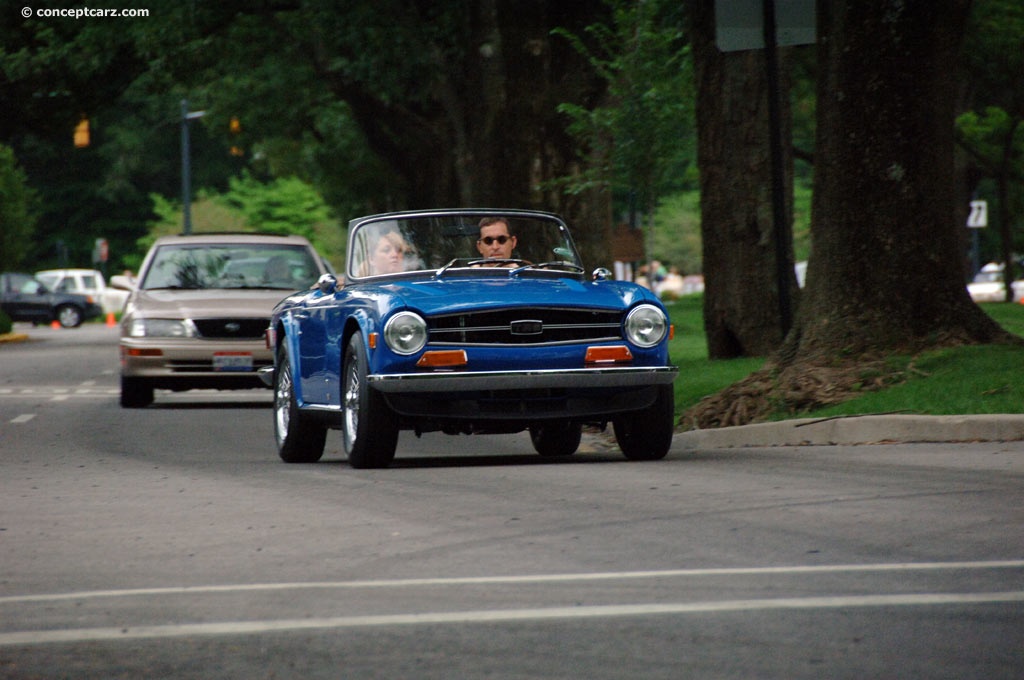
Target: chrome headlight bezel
x=405 y=333
x=161 y=328
x=646 y=325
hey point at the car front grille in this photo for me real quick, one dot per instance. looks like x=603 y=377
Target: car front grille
x=526 y=326
x=232 y=327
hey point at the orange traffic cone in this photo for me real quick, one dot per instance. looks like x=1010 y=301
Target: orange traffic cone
x=55 y=324
x=111 y=321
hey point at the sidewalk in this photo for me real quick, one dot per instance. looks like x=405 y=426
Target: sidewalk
x=866 y=429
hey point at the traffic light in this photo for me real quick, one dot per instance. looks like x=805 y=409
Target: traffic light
x=82 y=133
x=235 y=127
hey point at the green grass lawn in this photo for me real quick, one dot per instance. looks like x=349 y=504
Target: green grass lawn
x=964 y=380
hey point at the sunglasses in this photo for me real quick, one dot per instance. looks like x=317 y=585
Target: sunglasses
x=502 y=240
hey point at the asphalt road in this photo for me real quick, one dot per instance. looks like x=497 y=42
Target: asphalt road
x=170 y=542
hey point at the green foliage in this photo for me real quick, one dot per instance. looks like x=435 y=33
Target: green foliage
x=282 y=206
x=5 y=323
x=286 y=205
x=17 y=218
x=993 y=136
x=638 y=140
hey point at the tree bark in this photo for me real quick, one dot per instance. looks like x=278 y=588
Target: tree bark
x=741 y=295
x=885 y=269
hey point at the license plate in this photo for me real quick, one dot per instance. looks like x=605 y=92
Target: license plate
x=232 y=361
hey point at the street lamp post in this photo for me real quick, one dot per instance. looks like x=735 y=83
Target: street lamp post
x=186 y=164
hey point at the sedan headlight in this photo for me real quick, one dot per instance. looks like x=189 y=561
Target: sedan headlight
x=646 y=326
x=162 y=328
x=405 y=333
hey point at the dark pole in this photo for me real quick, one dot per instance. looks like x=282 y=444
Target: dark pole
x=186 y=171
x=783 y=267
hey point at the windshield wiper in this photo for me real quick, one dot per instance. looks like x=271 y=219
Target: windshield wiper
x=550 y=265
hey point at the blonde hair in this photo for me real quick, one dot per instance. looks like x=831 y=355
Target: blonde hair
x=392 y=237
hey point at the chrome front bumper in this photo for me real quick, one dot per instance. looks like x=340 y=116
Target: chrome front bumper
x=582 y=378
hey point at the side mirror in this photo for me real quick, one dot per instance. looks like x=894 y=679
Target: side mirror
x=601 y=274
x=328 y=284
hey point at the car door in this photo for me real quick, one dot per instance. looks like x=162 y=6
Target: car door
x=28 y=299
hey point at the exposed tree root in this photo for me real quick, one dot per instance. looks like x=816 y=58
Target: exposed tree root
x=794 y=389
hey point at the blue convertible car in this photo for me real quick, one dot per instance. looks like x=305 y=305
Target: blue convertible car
x=468 y=322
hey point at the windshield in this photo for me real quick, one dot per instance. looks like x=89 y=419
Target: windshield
x=231 y=265
x=399 y=244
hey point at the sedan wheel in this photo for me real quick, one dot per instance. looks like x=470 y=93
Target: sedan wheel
x=69 y=316
x=135 y=392
x=556 y=439
x=298 y=439
x=647 y=434
x=370 y=430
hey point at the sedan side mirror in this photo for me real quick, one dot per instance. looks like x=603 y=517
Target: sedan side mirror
x=601 y=274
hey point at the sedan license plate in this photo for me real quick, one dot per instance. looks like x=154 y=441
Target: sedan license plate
x=232 y=361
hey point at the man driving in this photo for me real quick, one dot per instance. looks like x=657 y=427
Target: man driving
x=495 y=242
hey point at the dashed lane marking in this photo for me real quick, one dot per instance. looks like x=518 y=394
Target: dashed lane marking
x=523 y=579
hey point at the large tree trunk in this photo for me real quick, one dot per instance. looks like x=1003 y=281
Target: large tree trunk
x=885 y=270
x=885 y=273
x=741 y=295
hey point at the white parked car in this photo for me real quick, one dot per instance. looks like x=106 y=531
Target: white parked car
x=988 y=285
x=85 y=282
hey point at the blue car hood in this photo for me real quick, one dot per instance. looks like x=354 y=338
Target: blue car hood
x=456 y=294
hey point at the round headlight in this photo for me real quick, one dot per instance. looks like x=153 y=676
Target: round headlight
x=405 y=333
x=646 y=326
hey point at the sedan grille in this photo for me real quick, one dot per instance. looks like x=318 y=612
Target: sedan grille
x=526 y=326
x=232 y=327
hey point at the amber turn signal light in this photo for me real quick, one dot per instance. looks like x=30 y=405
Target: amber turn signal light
x=608 y=355
x=448 y=358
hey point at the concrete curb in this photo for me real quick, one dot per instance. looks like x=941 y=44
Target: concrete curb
x=13 y=337
x=867 y=429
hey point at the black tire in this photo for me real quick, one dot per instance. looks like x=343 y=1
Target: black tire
x=370 y=427
x=556 y=439
x=69 y=316
x=647 y=434
x=135 y=392
x=298 y=440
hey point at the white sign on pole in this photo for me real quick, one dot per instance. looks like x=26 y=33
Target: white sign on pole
x=739 y=24
x=978 y=217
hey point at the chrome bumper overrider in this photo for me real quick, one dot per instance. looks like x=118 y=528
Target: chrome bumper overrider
x=455 y=381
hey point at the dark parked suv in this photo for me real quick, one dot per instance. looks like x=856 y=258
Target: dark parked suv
x=24 y=298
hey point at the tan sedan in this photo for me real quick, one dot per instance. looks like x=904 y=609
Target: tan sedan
x=199 y=312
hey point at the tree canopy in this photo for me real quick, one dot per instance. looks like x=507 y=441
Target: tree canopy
x=408 y=103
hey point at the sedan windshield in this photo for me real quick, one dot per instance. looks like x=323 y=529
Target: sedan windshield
x=462 y=240
x=231 y=265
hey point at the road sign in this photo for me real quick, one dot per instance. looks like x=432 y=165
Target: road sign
x=978 y=217
x=739 y=24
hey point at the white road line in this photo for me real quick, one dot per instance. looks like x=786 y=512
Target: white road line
x=518 y=580
x=30 y=637
x=23 y=418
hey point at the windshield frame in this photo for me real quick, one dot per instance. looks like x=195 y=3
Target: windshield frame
x=442 y=243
